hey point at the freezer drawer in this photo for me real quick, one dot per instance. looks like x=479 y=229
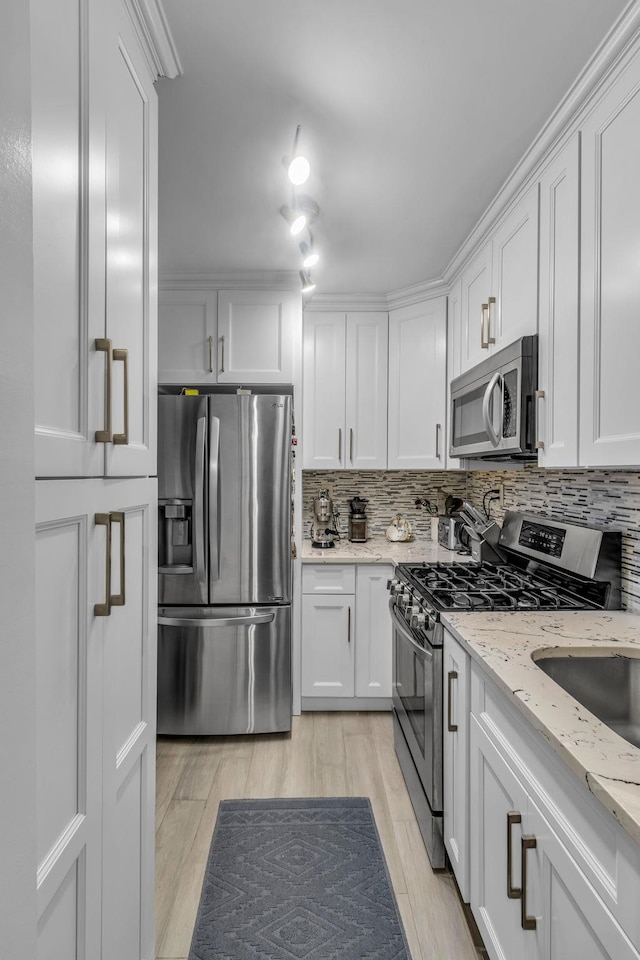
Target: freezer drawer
x=224 y=670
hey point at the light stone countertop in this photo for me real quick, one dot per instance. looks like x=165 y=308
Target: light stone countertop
x=380 y=550
x=503 y=643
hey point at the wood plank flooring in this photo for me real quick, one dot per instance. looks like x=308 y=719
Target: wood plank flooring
x=327 y=754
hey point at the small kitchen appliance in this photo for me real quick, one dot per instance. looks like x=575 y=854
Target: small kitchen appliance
x=548 y=565
x=449 y=531
x=358 y=520
x=324 y=531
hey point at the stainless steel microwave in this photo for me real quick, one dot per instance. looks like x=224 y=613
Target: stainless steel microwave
x=493 y=405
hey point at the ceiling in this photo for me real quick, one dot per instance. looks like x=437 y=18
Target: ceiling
x=413 y=113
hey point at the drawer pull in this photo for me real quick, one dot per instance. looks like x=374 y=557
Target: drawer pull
x=451 y=676
x=513 y=893
x=528 y=923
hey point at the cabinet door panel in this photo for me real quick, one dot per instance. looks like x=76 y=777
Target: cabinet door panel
x=557 y=425
x=456 y=760
x=417 y=386
x=187 y=338
x=373 y=632
x=68 y=223
x=515 y=274
x=454 y=359
x=255 y=336
x=366 y=391
x=132 y=185
x=610 y=279
x=324 y=391
x=327 y=646
x=476 y=289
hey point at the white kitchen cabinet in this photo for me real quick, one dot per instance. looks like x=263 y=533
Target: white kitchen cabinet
x=345 y=391
x=96 y=690
x=255 y=335
x=500 y=285
x=456 y=705
x=417 y=386
x=95 y=240
x=610 y=279
x=346 y=637
x=454 y=359
x=187 y=336
x=557 y=405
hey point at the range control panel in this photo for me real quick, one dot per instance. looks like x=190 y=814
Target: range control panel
x=542 y=538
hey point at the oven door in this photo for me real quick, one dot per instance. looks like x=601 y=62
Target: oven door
x=417 y=701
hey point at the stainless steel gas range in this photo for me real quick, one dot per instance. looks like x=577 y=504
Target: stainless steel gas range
x=549 y=565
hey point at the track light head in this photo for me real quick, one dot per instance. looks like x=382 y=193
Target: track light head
x=298 y=167
x=310 y=256
x=303 y=211
x=307 y=283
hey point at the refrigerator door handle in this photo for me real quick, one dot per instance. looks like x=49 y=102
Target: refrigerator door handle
x=215 y=621
x=214 y=479
x=198 y=502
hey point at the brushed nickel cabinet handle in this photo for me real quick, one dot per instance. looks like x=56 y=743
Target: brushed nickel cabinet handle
x=123 y=357
x=484 y=344
x=451 y=676
x=351 y=444
x=222 y=354
x=490 y=302
x=210 y=354
x=513 y=893
x=528 y=923
x=538 y=395
x=104 y=609
x=348 y=624
x=438 y=429
x=339 y=444
x=117 y=599
x=105 y=435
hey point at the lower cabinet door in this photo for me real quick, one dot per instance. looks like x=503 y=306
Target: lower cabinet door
x=328 y=624
x=456 y=760
x=373 y=632
x=498 y=814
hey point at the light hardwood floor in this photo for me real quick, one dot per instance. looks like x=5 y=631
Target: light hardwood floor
x=327 y=754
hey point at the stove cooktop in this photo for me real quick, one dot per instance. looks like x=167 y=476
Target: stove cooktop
x=486 y=586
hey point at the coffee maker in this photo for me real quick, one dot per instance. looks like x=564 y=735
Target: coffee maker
x=324 y=532
x=357 y=520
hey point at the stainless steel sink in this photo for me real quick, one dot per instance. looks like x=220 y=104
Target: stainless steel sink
x=609 y=687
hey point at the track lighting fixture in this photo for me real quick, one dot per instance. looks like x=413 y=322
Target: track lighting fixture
x=310 y=256
x=298 y=167
x=307 y=283
x=303 y=211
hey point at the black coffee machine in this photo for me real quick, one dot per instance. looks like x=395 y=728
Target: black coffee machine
x=357 y=520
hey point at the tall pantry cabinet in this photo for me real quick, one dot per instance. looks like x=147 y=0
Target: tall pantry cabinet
x=94 y=119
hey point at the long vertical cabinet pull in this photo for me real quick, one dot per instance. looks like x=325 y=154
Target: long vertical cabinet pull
x=123 y=357
x=528 y=923
x=490 y=302
x=513 y=893
x=210 y=354
x=118 y=599
x=484 y=343
x=222 y=357
x=105 y=436
x=214 y=520
x=348 y=624
x=104 y=609
x=438 y=429
x=451 y=676
x=351 y=444
x=538 y=395
x=339 y=444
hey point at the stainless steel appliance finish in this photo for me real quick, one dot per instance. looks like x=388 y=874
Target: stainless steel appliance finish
x=224 y=525
x=607 y=686
x=525 y=581
x=358 y=532
x=449 y=532
x=493 y=406
x=224 y=668
x=324 y=531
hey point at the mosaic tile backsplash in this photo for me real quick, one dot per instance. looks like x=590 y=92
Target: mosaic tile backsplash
x=600 y=498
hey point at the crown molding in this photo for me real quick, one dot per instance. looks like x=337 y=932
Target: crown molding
x=232 y=280
x=560 y=125
x=152 y=27
x=346 y=302
x=417 y=293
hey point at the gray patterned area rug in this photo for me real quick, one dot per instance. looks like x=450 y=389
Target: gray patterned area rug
x=292 y=879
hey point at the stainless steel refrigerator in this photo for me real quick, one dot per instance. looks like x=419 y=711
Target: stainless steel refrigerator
x=224 y=579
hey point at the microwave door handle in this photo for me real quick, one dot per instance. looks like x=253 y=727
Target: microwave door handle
x=198 y=501
x=486 y=400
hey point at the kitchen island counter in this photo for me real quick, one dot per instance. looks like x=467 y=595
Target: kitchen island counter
x=503 y=644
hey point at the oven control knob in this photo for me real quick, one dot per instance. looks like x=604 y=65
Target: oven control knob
x=414 y=612
x=404 y=599
x=392 y=584
x=418 y=619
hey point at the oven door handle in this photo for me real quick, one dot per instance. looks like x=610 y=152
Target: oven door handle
x=486 y=400
x=402 y=630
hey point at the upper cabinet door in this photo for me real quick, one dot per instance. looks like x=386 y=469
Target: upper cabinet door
x=68 y=223
x=255 y=336
x=324 y=367
x=187 y=338
x=610 y=278
x=514 y=288
x=557 y=414
x=417 y=386
x=454 y=358
x=366 y=391
x=476 y=290
x=131 y=260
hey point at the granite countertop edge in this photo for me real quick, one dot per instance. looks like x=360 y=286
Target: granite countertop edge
x=380 y=550
x=502 y=644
